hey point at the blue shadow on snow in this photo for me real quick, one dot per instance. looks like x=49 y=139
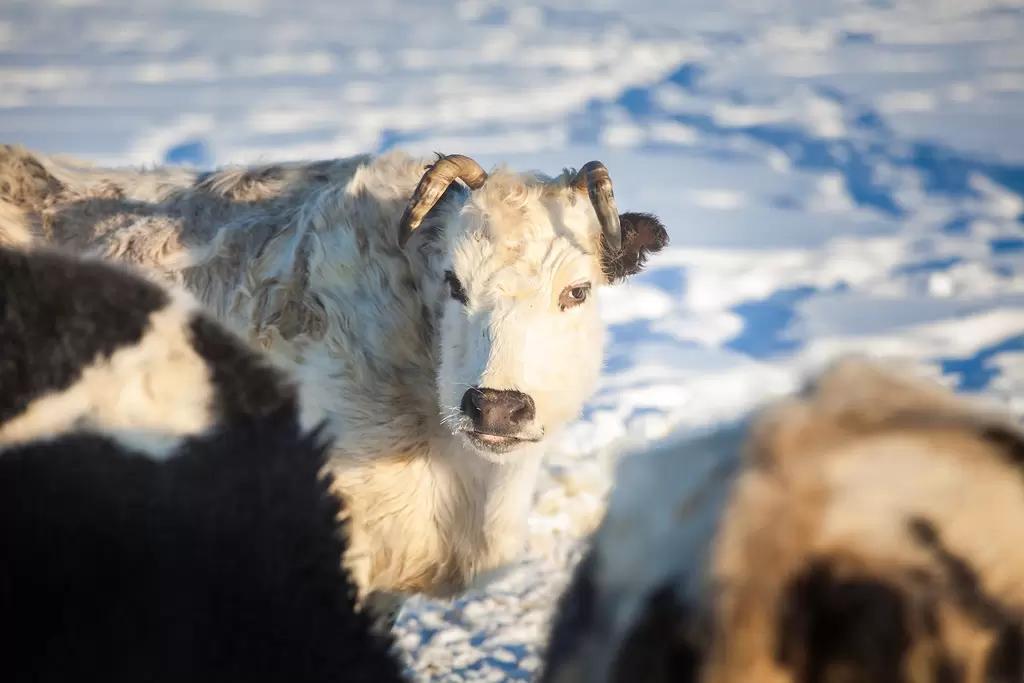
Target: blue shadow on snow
x=1006 y=245
x=765 y=322
x=975 y=372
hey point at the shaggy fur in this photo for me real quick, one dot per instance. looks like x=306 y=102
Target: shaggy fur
x=162 y=517
x=304 y=260
x=85 y=347
x=869 y=534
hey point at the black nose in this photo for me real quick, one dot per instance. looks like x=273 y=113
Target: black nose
x=497 y=411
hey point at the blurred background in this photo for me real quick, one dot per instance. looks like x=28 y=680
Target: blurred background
x=835 y=175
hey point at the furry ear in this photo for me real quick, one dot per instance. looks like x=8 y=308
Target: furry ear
x=642 y=234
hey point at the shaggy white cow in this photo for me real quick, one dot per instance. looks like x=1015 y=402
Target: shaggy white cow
x=441 y=319
x=162 y=515
x=870 y=533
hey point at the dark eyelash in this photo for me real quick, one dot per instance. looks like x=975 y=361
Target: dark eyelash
x=455 y=287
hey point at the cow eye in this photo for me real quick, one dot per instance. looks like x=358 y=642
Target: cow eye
x=573 y=295
x=455 y=287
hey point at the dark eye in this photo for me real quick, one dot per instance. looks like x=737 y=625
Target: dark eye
x=455 y=287
x=573 y=295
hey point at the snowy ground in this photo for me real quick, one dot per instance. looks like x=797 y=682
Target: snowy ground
x=835 y=175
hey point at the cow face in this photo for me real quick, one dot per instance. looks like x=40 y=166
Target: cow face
x=521 y=338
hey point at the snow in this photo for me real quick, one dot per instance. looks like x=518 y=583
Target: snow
x=836 y=176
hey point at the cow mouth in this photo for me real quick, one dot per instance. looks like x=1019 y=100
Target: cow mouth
x=497 y=443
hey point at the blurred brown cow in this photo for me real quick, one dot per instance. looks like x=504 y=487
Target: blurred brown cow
x=870 y=531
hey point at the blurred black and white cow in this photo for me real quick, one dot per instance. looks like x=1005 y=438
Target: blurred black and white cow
x=872 y=531
x=162 y=514
x=442 y=320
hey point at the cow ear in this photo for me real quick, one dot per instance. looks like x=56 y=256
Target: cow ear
x=642 y=234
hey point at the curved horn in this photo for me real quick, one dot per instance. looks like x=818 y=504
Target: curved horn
x=594 y=179
x=432 y=186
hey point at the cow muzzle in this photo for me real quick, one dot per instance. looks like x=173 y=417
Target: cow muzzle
x=500 y=419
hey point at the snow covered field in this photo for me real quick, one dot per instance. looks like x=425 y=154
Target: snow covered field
x=835 y=176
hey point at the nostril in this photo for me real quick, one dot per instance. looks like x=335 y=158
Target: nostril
x=472 y=402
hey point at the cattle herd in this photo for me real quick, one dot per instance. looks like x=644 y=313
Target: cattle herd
x=244 y=414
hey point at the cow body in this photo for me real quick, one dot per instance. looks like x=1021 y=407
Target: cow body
x=162 y=511
x=867 y=530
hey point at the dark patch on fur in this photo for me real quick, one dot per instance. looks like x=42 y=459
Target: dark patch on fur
x=923 y=531
x=661 y=646
x=223 y=563
x=963 y=581
x=929 y=620
x=946 y=671
x=833 y=628
x=642 y=234
x=1006 y=659
x=574 y=618
x=58 y=316
x=247 y=386
x=455 y=288
x=1005 y=662
x=1008 y=441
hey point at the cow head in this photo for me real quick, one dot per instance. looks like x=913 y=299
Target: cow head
x=524 y=259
